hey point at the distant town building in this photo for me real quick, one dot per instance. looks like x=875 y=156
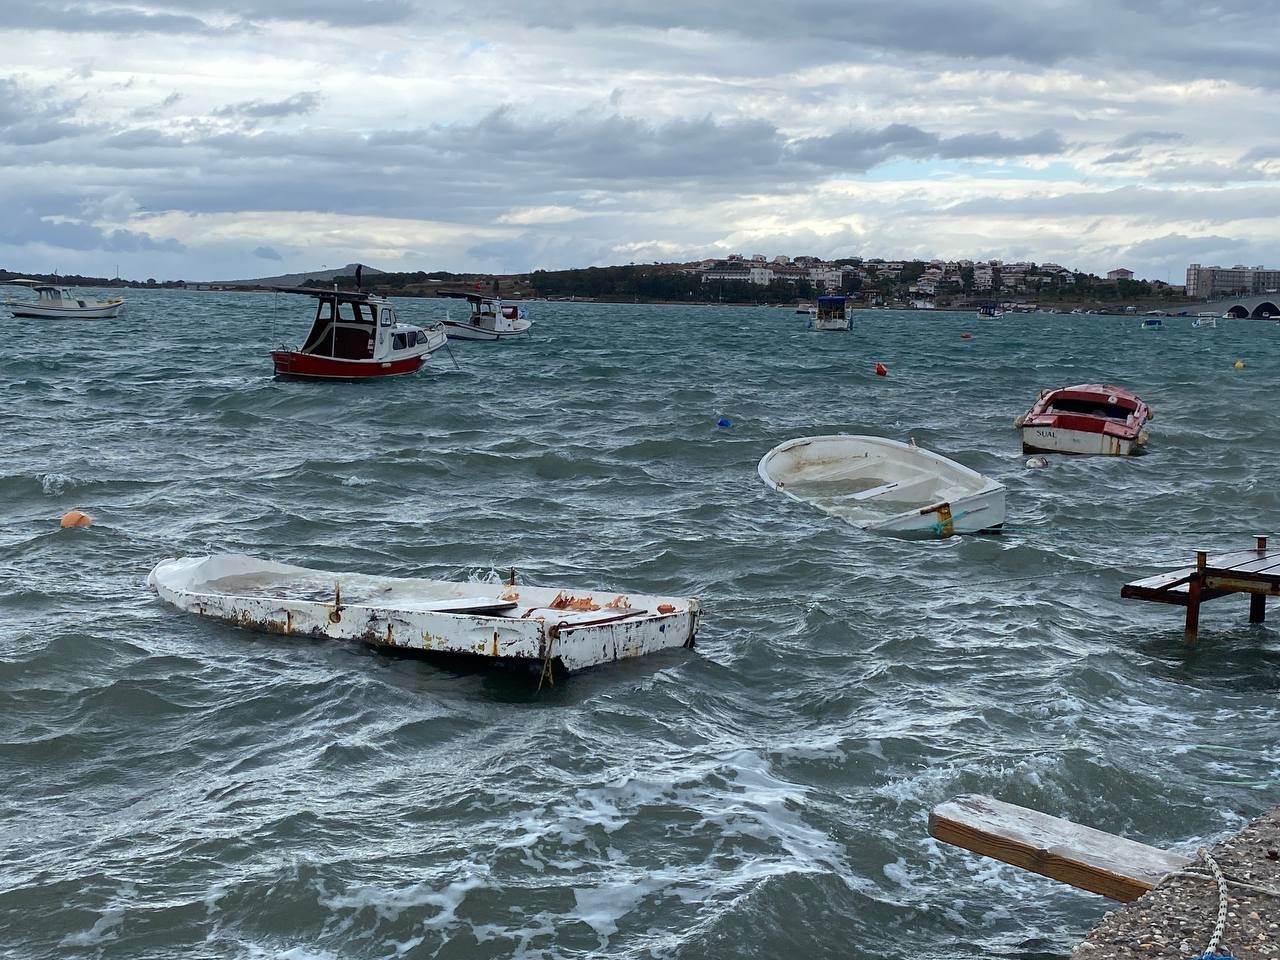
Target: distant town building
x=1120 y=273
x=1230 y=281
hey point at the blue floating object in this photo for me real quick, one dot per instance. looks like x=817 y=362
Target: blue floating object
x=724 y=422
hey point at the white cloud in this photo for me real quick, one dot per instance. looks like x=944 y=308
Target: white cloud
x=191 y=135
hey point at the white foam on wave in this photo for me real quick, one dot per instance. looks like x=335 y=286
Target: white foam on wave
x=389 y=904
x=54 y=484
x=104 y=929
x=602 y=906
x=737 y=797
x=357 y=482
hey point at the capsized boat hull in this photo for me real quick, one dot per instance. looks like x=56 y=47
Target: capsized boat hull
x=574 y=628
x=295 y=365
x=461 y=330
x=884 y=485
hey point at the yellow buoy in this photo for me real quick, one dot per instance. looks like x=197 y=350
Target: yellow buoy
x=74 y=518
x=1239 y=364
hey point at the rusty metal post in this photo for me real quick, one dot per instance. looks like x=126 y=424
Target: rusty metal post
x=1194 y=587
x=1258 y=601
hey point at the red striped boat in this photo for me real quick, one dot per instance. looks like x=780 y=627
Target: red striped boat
x=356 y=336
x=1089 y=418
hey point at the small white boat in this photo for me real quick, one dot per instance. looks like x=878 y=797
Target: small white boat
x=53 y=302
x=884 y=485
x=541 y=626
x=1152 y=323
x=490 y=319
x=830 y=313
x=1205 y=323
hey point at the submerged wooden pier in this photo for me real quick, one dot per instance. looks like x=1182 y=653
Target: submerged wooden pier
x=1255 y=572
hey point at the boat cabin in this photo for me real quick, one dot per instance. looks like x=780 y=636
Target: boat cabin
x=832 y=308
x=57 y=297
x=357 y=326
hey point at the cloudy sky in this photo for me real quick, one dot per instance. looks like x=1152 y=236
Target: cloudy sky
x=188 y=139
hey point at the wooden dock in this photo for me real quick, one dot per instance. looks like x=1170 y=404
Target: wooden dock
x=1255 y=572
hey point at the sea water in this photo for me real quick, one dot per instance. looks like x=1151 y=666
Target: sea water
x=174 y=787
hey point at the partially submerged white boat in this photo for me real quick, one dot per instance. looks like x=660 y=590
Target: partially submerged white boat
x=884 y=485
x=53 y=302
x=568 y=629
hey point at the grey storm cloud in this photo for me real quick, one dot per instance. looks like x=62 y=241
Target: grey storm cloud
x=504 y=160
x=30 y=117
x=198 y=16
x=300 y=103
x=266 y=253
x=1136 y=203
x=94 y=18
x=860 y=150
x=25 y=224
x=1121 y=156
x=1146 y=138
x=1167 y=36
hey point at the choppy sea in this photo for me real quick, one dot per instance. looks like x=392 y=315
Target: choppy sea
x=174 y=787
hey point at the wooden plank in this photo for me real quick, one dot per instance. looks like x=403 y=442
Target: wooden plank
x=1162 y=580
x=1244 y=583
x=1230 y=560
x=1263 y=566
x=571 y=620
x=463 y=605
x=1168 y=588
x=1052 y=847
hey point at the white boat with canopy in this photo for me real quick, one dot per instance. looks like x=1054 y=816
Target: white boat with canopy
x=490 y=318
x=884 y=485
x=567 y=629
x=831 y=313
x=53 y=302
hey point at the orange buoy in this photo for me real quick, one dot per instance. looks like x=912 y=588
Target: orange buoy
x=966 y=336
x=881 y=371
x=74 y=518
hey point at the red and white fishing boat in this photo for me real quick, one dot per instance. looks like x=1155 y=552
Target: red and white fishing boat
x=1089 y=418
x=356 y=336
x=490 y=318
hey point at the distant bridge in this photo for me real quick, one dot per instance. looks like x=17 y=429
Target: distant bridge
x=1259 y=308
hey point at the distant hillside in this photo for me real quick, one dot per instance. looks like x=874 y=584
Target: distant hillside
x=298 y=279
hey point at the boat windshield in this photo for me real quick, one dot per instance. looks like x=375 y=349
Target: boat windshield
x=342 y=329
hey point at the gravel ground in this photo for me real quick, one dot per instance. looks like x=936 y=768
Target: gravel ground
x=1176 y=919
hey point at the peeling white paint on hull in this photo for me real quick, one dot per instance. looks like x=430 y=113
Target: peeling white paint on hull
x=576 y=628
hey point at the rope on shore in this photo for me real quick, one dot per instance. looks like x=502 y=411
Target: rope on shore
x=1211 y=951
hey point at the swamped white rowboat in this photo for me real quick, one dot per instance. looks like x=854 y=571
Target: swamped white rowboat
x=884 y=485
x=572 y=629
